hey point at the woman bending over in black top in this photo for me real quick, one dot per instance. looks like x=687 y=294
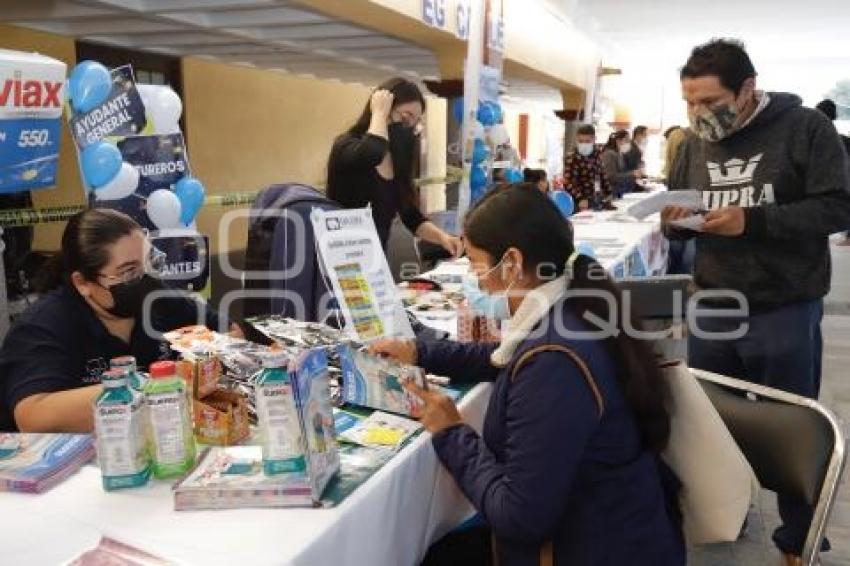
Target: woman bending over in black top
x=375 y=161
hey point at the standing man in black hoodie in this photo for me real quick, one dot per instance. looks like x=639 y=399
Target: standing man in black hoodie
x=774 y=182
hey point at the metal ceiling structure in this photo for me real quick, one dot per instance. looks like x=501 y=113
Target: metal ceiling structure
x=267 y=34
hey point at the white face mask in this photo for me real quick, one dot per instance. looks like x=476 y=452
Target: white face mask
x=626 y=147
x=641 y=145
x=584 y=149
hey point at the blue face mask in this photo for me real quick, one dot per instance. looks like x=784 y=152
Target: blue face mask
x=490 y=305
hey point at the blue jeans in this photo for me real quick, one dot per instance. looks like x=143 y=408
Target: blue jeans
x=782 y=349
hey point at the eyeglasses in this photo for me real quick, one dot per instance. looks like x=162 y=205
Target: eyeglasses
x=154 y=262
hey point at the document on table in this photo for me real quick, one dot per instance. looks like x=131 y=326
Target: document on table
x=657 y=202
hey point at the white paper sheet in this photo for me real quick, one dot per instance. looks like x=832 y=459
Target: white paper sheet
x=656 y=202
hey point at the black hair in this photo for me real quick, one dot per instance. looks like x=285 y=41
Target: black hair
x=724 y=58
x=534 y=175
x=639 y=130
x=829 y=108
x=616 y=137
x=529 y=221
x=403 y=92
x=586 y=130
x=85 y=245
x=670 y=130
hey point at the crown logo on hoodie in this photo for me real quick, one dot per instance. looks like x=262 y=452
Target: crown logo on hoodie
x=738 y=172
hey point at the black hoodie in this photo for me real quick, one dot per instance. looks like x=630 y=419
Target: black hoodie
x=789 y=171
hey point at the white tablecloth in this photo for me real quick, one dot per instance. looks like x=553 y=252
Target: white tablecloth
x=390 y=520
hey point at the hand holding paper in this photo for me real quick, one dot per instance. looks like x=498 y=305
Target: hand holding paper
x=659 y=201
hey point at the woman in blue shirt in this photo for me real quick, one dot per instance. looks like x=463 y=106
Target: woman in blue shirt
x=566 y=470
x=52 y=358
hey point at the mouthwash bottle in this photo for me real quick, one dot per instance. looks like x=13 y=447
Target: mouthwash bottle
x=119 y=428
x=135 y=379
x=170 y=421
x=277 y=418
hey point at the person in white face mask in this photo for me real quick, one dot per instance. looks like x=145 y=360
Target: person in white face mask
x=583 y=171
x=614 y=162
x=774 y=182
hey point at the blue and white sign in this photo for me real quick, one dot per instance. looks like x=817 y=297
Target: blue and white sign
x=31 y=96
x=434 y=13
x=462 y=23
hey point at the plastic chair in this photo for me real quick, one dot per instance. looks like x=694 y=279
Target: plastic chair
x=794 y=444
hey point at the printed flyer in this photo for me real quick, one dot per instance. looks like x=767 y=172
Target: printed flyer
x=354 y=261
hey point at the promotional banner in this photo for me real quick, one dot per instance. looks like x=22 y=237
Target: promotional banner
x=183 y=259
x=354 y=262
x=132 y=158
x=121 y=114
x=31 y=97
x=161 y=163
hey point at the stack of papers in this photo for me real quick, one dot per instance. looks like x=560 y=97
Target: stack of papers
x=33 y=463
x=232 y=477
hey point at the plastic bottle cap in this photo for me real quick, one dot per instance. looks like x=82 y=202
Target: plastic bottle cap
x=127 y=363
x=159 y=370
x=114 y=378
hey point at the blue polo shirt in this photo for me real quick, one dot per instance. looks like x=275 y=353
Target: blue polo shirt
x=59 y=343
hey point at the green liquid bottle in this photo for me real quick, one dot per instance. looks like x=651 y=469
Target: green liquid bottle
x=277 y=418
x=119 y=428
x=170 y=422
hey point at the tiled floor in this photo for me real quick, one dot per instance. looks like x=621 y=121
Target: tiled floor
x=755 y=547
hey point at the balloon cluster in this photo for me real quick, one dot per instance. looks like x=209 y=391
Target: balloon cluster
x=487 y=132
x=103 y=167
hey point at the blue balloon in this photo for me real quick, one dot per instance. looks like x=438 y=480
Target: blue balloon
x=498 y=114
x=101 y=162
x=586 y=249
x=457 y=110
x=480 y=152
x=513 y=176
x=564 y=202
x=89 y=86
x=191 y=193
x=485 y=114
x=477 y=178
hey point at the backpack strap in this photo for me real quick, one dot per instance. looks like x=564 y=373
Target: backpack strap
x=576 y=359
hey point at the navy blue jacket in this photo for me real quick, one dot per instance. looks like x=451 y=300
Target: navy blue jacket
x=549 y=467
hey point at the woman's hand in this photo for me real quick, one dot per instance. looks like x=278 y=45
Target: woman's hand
x=403 y=351
x=452 y=244
x=381 y=104
x=438 y=412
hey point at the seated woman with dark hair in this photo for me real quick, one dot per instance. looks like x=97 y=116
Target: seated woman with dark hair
x=52 y=358
x=538 y=177
x=567 y=469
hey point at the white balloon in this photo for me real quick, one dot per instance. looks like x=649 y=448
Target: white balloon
x=164 y=209
x=477 y=130
x=123 y=185
x=163 y=107
x=499 y=135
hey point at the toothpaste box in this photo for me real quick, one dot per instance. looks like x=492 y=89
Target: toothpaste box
x=31 y=98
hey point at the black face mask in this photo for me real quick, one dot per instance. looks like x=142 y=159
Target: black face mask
x=129 y=297
x=402 y=145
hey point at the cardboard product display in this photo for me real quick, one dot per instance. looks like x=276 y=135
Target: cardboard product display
x=221 y=419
